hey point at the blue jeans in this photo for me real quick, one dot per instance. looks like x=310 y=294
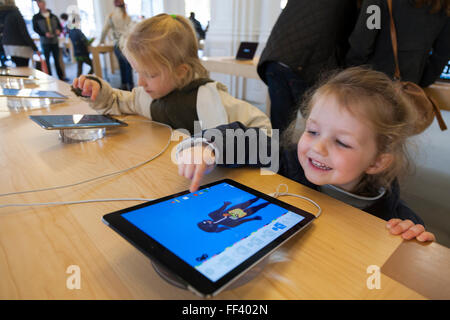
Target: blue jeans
x=126 y=73
x=286 y=89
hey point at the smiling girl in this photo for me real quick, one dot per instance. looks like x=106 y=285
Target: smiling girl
x=174 y=87
x=353 y=147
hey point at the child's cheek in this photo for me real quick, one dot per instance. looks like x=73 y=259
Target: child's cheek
x=302 y=148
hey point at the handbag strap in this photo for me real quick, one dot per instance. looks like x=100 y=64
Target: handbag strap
x=436 y=109
x=394 y=41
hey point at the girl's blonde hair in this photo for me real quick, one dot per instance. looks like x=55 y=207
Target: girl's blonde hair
x=165 y=42
x=374 y=98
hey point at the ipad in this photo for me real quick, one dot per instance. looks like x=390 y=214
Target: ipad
x=445 y=75
x=30 y=93
x=77 y=121
x=246 y=50
x=211 y=237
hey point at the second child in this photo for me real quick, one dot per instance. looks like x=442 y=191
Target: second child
x=174 y=87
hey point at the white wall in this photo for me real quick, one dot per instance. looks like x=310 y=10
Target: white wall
x=58 y=7
x=234 y=21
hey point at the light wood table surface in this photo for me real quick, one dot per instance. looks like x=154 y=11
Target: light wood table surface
x=38 y=244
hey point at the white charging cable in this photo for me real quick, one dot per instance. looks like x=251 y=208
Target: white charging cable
x=277 y=194
x=70 y=202
x=103 y=176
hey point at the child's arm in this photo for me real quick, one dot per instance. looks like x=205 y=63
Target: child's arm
x=408 y=230
x=232 y=145
x=107 y=100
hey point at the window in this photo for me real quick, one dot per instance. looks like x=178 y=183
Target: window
x=143 y=9
x=28 y=9
x=201 y=8
x=86 y=12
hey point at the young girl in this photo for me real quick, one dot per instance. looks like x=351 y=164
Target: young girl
x=173 y=85
x=353 y=147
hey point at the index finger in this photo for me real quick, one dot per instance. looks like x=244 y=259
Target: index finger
x=198 y=174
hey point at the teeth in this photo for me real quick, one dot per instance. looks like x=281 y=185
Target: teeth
x=320 y=165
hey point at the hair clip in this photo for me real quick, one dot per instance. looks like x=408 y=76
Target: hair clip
x=173 y=16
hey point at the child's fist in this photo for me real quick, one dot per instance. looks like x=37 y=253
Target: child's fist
x=89 y=88
x=408 y=230
x=194 y=163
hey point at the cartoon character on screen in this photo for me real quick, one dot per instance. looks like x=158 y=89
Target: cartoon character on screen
x=232 y=217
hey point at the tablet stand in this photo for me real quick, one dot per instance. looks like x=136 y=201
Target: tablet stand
x=179 y=283
x=81 y=135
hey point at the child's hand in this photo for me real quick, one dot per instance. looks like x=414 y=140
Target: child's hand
x=409 y=230
x=89 y=88
x=194 y=163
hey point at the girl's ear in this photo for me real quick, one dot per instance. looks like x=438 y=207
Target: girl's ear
x=382 y=162
x=182 y=70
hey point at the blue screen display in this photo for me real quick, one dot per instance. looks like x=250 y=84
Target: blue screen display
x=214 y=229
x=446 y=72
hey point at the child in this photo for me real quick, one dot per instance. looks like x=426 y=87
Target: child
x=173 y=84
x=80 y=44
x=353 y=147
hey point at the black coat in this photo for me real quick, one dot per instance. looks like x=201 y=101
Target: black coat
x=310 y=36
x=80 y=43
x=40 y=27
x=418 y=34
x=387 y=207
x=15 y=31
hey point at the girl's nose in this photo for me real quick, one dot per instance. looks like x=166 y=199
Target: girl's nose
x=320 y=147
x=141 y=82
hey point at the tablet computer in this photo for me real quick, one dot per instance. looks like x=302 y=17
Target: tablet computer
x=445 y=75
x=77 y=121
x=211 y=237
x=246 y=50
x=31 y=93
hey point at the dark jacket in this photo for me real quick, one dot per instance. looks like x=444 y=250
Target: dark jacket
x=310 y=36
x=15 y=31
x=40 y=27
x=418 y=34
x=80 y=43
x=388 y=207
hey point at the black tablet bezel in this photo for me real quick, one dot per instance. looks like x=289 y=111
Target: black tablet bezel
x=195 y=280
x=40 y=120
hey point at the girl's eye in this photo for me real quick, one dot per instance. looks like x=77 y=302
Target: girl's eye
x=312 y=132
x=342 y=144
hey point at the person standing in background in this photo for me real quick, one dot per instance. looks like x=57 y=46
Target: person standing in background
x=309 y=37
x=119 y=22
x=17 y=43
x=47 y=25
x=197 y=27
x=80 y=44
x=423 y=38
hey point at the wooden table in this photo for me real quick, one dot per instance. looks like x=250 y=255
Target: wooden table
x=96 y=50
x=38 y=245
x=239 y=68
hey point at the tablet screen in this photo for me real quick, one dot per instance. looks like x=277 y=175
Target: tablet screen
x=214 y=229
x=445 y=75
x=30 y=93
x=76 y=121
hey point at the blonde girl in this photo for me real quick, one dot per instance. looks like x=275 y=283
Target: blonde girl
x=174 y=87
x=353 y=147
